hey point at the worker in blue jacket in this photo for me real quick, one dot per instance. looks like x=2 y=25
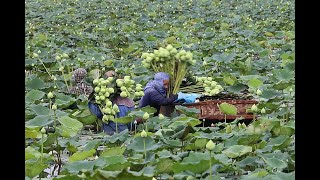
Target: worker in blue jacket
x=155 y=93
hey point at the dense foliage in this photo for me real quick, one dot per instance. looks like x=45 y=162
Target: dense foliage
x=245 y=46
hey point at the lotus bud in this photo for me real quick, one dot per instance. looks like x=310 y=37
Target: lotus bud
x=54 y=107
x=145 y=116
x=161 y=116
x=210 y=145
x=259 y=92
x=50 y=95
x=228 y=129
x=263 y=111
x=43 y=130
x=244 y=125
x=35 y=55
x=189 y=178
x=254 y=108
x=143 y=134
x=58 y=58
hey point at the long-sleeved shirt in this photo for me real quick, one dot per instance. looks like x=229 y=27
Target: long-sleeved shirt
x=154 y=98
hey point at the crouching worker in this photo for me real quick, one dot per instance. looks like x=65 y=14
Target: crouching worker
x=155 y=93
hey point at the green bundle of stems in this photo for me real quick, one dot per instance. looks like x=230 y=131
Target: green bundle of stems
x=177 y=69
x=181 y=72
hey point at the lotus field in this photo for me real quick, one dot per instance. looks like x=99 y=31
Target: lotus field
x=241 y=49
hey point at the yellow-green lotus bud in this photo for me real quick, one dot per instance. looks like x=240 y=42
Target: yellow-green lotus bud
x=119 y=83
x=141 y=93
x=127 y=81
x=103 y=90
x=115 y=108
x=161 y=116
x=174 y=51
x=136 y=94
x=219 y=87
x=263 y=111
x=143 y=134
x=53 y=78
x=50 y=95
x=123 y=94
x=259 y=92
x=43 y=130
x=153 y=178
x=123 y=88
x=110 y=90
x=210 y=145
x=104 y=82
x=106 y=110
x=228 y=129
x=65 y=55
x=126 y=77
x=111 y=117
x=108 y=103
x=190 y=178
x=97 y=89
x=145 y=116
x=244 y=125
x=105 y=118
x=54 y=107
x=254 y=108
x=188 y=55
x=239 y=125
x=204 y=63
x=58 y=58
x=95 y=82
x=119 y=80
x=251 y=90
x=35 y=55
x=144 y=55
x=138 y=88
x=290 y=90
x=102 y=98
x=169 y=47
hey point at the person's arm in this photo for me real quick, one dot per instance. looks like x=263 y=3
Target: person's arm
x=159 y=99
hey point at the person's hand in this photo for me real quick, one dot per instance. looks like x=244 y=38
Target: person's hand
x=109 y=73
x=174 y=96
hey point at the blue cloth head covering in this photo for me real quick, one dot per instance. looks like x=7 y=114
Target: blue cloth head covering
x=157 y=83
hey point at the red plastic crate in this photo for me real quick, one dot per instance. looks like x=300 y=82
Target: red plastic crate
x=210 y=110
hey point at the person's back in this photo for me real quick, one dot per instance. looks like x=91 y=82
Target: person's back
x=124 y=104
x=154 y=98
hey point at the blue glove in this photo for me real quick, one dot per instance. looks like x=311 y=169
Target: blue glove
x=187 y=98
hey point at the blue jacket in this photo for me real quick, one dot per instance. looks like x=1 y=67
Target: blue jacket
x=154 y=98
x=110 y=127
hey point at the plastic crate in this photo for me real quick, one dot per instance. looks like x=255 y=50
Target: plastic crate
x=209 y=109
